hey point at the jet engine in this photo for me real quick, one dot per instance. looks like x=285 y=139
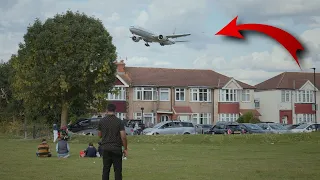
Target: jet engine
x=162 y=38
x=135 y=39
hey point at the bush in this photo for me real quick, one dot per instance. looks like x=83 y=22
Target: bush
x=248 y=118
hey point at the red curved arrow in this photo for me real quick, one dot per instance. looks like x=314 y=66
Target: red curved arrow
x=284 y=38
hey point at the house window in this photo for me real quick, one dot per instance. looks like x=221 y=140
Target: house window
x=195 y=118
x=121 y=116
x=201 y=118
x=285 y=96
x=257 y=103
x=164 y=94
x=200 y=95
x=246 y=95
x=145 y=94
x=228 y=117
x=117 y=93
x=228 y=95
x=305 y=96
x=148 y=118
x=305 y=118
x=180 y=94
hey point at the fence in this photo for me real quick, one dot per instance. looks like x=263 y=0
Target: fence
x=31 y=131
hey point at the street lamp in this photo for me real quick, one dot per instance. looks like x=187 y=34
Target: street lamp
x=142 y=108
x=315 y=93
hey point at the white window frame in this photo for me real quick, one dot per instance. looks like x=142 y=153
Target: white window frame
x=179 y=91
x=285 y=96
x=305 y=118
x=196 y=118
x=120 y=95
x=196 y=92
x=121 y=115
x=245 y=95
x=228 y=117
x=305 y=96
x=230 y=92
x=138 y=115
x=257 y=101
x=164 y=90
x=141 y=90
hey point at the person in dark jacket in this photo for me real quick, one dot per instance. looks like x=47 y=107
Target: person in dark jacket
x=91 y=151
x=63 y=148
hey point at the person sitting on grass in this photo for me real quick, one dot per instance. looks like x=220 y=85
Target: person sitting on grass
x=63 y=148
x=91 y=151
x=43 y=149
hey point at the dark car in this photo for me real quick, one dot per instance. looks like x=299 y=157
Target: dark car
x=249 y=128
x=224 y=127
x=83 y=124
x=292 y=126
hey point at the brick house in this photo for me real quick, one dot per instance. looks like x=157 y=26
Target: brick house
x=200 y=96
x=288 y=98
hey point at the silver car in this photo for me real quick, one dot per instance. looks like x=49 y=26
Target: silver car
x=274 y=128
x=171 y=127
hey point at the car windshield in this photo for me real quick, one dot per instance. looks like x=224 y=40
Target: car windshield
x=254 y=126
x=159 y=125
x=277 y=127
x=234 y=127
x=302 y=126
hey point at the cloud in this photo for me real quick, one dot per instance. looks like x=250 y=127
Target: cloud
x=145 y=62
x=258 y=66
x=251 y=61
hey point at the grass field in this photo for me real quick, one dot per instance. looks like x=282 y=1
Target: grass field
x=193 y=157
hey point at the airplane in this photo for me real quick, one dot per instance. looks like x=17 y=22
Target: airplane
x=140 y=33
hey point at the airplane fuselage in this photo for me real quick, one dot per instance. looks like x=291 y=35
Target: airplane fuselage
x=148 y=36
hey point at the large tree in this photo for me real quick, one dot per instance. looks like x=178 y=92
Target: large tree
x=68 y=59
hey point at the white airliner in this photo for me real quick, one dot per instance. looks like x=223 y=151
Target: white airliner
x=140 y=33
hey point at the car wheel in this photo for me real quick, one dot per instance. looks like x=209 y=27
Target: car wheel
x=155 y=133
x=186 y=133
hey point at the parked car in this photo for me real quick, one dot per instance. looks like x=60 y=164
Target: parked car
x=94 y=132
x=171 y=127
x=224 y=127
x=274 y=128
x=202 y=128
x=249 y=128
x=291 y=126
x=84 y=124
x=308 y=127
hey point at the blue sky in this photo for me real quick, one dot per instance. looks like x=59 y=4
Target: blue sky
x=252 y=60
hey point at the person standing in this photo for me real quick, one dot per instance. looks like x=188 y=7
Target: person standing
x=111 y=130
x=55 y=132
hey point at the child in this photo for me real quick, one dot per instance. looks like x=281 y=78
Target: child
x=91 y=151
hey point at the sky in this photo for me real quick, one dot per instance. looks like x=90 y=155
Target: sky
x=252 y=60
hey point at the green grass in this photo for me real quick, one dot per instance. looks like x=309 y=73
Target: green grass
x=193 y=157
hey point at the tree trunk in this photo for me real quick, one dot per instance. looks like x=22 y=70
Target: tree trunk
x=25 y=128
x=64 y=113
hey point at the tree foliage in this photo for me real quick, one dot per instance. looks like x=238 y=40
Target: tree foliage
x=67 y=60
x=248 y=118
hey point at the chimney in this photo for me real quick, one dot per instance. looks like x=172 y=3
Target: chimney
x=121 y=66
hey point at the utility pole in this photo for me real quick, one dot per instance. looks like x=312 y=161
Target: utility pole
x=315 y=94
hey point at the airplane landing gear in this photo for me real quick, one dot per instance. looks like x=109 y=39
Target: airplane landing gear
x=147 y=44
x=161 y=44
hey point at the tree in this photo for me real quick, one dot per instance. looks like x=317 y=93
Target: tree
x=248 y=118
x=68 y=59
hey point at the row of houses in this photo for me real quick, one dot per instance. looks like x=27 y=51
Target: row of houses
x=206 y=97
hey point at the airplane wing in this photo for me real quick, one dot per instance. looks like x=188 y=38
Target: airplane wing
x=177 y=35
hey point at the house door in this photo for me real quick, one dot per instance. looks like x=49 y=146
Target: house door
x=164 y=118
x=284 y=120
